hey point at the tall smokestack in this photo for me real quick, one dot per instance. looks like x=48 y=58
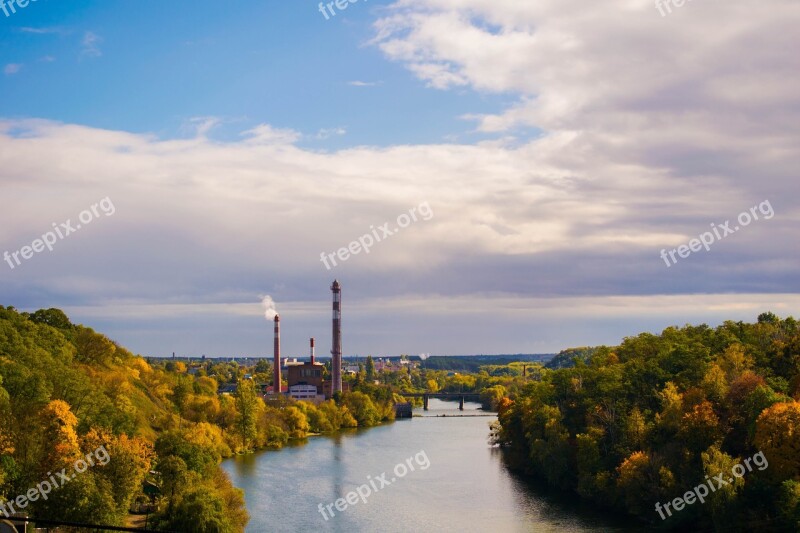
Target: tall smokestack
x=277 y=363
x=336 y=352
x=312 y=350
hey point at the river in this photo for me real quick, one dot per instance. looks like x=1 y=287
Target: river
x=451 y=480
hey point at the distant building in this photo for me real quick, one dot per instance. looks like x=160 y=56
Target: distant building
x=227 y=389
x=305 y=380
x=307 y=393
x=326 y=388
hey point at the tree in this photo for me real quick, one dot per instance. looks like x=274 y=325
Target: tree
x=129 y=460
x=723 y=500
x=263 y=367
x=640 y=482
x=52 y=317
x=94 y=348
x=246 y=412
x=180 y=393
x=198 y=458
x=491 y=396
x=362 y=408
x=202 y=511
x=6 y=444
x=778 y=436
x=58 y=435
x=296 y=422
x=370 y=369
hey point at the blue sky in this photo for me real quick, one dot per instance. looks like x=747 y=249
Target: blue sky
x=561 y=146
x=152 y=67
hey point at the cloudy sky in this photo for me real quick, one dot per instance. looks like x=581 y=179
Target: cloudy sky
x=560 y=145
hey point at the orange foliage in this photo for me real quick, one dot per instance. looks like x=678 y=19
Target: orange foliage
x=778 y=436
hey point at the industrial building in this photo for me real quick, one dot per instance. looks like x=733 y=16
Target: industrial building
x=306 y=379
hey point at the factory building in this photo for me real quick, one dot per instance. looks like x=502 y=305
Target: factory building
x=306 y=379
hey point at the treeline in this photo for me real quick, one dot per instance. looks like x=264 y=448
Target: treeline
x=66 y=390
x=474 y=363
x=570 y=357
x=647 y=421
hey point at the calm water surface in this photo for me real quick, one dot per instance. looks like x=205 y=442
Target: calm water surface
x=466 y=487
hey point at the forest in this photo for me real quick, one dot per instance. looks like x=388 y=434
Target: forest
x=626 y=427
x=645 y=422
x=66 y=391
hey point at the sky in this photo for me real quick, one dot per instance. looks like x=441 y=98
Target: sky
x=482 y=176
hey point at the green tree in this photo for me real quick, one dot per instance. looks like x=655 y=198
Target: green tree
x=247 y=404
x=370 y=369
x=52 y=317
x=362 y=408
x=200 y=510
x=94 y=348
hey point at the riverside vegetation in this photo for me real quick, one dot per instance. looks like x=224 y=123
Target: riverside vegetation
x=625 y=426
x=66 y=390
x=644 y=422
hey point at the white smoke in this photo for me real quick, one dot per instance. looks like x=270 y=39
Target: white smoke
x=424 y=356
x=269 y=307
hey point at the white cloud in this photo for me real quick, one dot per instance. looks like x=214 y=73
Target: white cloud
x=357 y=83
x=653 y=128
x=44 y=31
x=326 y=133
x=91 y=45
x=266 y=134
x=12 y=68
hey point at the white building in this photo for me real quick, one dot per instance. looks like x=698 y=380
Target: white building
x=305 y=392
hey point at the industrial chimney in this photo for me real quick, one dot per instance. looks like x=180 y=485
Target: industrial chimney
x=336 y=352
x=312 y=350
x=276 y=387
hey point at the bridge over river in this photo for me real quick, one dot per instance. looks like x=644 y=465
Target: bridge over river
x=460 y=396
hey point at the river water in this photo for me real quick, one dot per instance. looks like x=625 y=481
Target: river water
x=458 y=483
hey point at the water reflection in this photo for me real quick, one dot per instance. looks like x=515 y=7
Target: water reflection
x=466 y=488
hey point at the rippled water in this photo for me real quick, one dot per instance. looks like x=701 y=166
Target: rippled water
x=465 y=487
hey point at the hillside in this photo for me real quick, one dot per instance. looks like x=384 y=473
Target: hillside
x=636 y=426
x=70 y=396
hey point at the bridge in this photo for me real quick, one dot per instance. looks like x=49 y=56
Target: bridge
x=460 y=396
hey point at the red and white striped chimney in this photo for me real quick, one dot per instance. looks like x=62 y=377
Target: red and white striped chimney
x=276 y=387
x=336 y=350
x=312 y=350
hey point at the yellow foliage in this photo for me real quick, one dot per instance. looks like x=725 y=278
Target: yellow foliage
x=208 y=436
x=672 y=407
x=58 y=427
x=631 y=468
x=715 y=382
x=734 y=361
x=778 y=437
x=141 y=366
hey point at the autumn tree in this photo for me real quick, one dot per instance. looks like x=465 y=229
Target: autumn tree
x=247 y=407
x=370 y=369
x=778 y=436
